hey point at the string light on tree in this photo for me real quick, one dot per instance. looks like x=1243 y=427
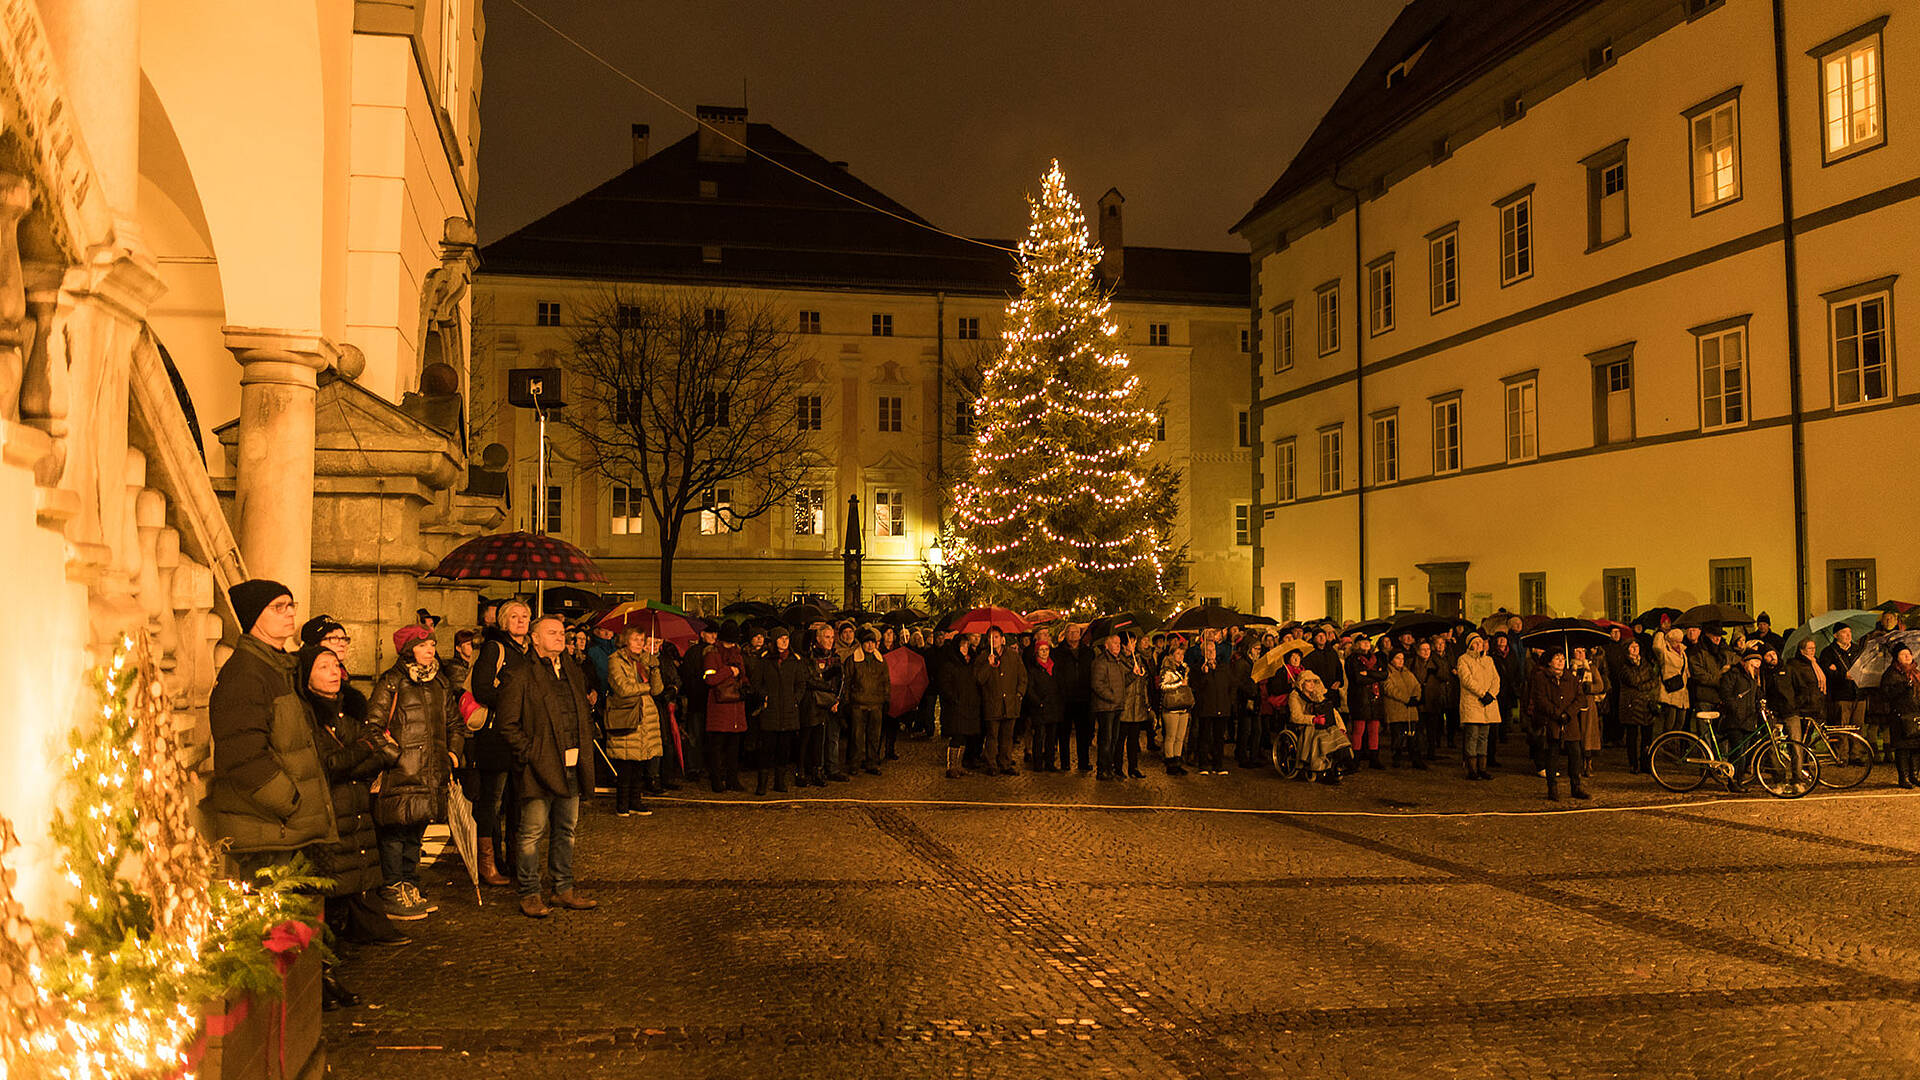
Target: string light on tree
x=1059 y=507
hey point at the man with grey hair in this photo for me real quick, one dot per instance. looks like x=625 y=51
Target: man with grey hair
x=545 y=717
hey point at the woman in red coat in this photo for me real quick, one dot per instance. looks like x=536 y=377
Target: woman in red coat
x=724 y=670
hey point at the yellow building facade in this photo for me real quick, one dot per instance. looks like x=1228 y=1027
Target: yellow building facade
x=1586 y=309
x=887 y=318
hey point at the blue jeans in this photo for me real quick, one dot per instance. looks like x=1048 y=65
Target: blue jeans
x=400 y=853
x=834 y=721
x=562 y=812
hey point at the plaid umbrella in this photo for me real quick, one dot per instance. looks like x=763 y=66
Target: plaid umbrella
x=517 y=556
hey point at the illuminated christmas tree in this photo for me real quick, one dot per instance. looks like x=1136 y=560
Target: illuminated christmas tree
x=1060 y=508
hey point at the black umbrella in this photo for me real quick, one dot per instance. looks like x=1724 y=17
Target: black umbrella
x=1565 y=635
x=856 y=616
x=1420 y=624
x=905 y=616
x=1258 y=620
x=1724 y=614
x=1650 y=618
x=1370 y=627
x=750 y=608
x=802 y=615
x=1108 y=625
x=1206 y=617
x=567 y=600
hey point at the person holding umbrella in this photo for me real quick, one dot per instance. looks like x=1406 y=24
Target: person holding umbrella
x=1709 y=659
x=634 y=741
x=1553 y=697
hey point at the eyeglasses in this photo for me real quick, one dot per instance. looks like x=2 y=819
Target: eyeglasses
x=336 y=638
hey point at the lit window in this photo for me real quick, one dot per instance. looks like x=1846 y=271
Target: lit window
x=1862 y=351
x=626 y=509
x=1723 y=378
x=810 y=511
x=1523 y=420
x=1713 y=136
x=1443 y=269
x=716 y=517
x=1380 y=296
x=889 y=513
x=1851 y=90
x=1446 y=436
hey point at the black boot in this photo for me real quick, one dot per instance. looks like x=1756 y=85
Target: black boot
x=760 y=788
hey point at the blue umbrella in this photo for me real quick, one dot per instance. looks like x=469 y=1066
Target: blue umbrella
x=1822 y=628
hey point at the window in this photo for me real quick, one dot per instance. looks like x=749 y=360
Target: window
x=1386 y=448
x=889 y=413
x=1446 y=436
x=810 y=511
x=963 y=417
x=1850 y=88
x=1523 y=419
x=1606 y=196
x=1723 y=376
x=1212 y=601
x=1380 y=297
x=709 y=189
x=1242 y=525
x=882 y=325
x=809 y=322
x=1283 y=338
x=1851 y=584
x=704 y=604
x=627 y=316
x=1283 y=487
x=626 y=405
x=968 y=328
x=1333 y=601
x=1329 y=461
x=1713 y=143
x=1159 y=333
x=1327 y=303
x=1516 y=237
x=1612 y=395
x=1286 y=601
x=1443 y=268
x=1619 y=587
x=1533 y=594
x=1730 y=581
x=1600 y=58
x=1389 y=596
x=1246 y=340
x=716 y=408
x=547 y=313
x=627 y=506
x=889 y=601
x=809 y=412
x=714 y=320
x=1246 y=428
x=1160 y=424
x=1862 y=345
x=889 y=513
x=553 y=508
x=716 y=513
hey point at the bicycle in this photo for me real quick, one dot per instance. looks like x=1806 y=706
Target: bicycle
x=1844 y=755
x=1785 y=767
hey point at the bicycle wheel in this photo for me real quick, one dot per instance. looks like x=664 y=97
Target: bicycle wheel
x=1845 y=759
x=1286 y=754
x=1681 y=760
x=1784 y=767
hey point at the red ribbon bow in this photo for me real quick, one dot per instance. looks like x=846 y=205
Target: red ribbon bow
x=286 y=942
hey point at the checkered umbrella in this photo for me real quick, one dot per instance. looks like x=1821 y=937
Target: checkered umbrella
x=517 y=556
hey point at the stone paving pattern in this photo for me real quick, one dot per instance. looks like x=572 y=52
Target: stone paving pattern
x=1048 y=926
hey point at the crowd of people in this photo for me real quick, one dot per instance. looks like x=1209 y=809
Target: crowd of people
x=525 y=708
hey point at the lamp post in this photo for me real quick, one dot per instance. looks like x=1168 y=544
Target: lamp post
x=537 y=389
x=850 y=555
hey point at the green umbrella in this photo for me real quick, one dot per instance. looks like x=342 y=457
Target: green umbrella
x=1822 y=628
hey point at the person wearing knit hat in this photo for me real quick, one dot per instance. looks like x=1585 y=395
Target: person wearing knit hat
x=317 y=630
x=268 y=795
x=405 y=638
x=419 y=707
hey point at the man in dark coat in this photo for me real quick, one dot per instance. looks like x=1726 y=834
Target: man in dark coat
x=1553 y=697
x=1073 y=671
x=959 y=703
x=779 y=677
x=1848 y=703
x=545 y=717
x=269 y=795
x=1112 y=679
x=693 y=726
x=1003 y=687
x=826 y=686
x=1706 y=662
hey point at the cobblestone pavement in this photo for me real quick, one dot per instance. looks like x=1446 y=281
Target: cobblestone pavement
x=1401 y=924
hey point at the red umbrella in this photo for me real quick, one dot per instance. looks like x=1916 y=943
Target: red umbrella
x=907 y=678
x=658 y=621
x=982 y=619
x=517 y=556
x=1044 y=616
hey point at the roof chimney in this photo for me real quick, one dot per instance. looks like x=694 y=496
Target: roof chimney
x=640 y=143
x=723 y=132
x=1113 y=250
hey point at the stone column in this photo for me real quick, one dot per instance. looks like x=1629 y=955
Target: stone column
x=273 y=474
x=97 y=45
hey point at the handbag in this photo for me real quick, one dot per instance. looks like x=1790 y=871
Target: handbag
x=1673 y=683
x=1177 y=699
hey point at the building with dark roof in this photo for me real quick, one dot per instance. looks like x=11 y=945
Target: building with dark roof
x=893 y=311
x=1586 y=306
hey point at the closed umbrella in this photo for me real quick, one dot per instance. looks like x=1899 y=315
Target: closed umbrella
x=1724 y=614
x=906 y=680
x=982 y=619
x=517 y=556
x=1822 y=628
x=1874 y=661
x=663 y=621
x=466 y=834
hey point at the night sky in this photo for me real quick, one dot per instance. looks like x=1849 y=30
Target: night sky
x=1191 y=109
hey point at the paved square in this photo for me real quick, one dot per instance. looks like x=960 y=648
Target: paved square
x=1042 y=926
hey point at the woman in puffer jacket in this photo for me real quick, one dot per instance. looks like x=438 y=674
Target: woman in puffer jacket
x=1176 y=707
x=633 y=721
x=415 y=703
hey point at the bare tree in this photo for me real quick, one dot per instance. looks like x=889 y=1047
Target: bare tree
x=683 y=391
